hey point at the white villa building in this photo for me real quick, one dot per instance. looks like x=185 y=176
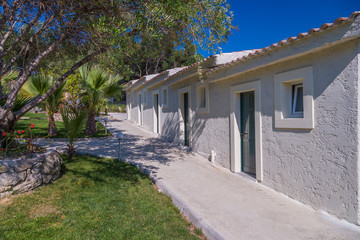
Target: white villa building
x=287 y=115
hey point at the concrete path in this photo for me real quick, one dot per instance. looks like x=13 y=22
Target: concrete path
x=224 y=205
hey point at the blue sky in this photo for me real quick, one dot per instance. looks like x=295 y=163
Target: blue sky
x=262 y=23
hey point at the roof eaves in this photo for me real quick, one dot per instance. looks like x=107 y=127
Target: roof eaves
x=284 y=42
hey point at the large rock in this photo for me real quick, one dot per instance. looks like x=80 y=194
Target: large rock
x=4 y=169
x=27 y=173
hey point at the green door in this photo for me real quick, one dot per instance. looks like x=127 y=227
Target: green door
x=186 y=119
x=247 y=134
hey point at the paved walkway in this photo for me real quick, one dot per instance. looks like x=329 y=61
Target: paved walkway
x=224 y=205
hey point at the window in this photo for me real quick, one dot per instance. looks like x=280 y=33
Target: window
x=202 y=98
x=294 y=104
x=165 y=97
x=297 y=104
x=144 y=98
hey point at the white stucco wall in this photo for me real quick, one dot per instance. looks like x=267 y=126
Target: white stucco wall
x=131 y=104
x=169 y=120
x=148 y=112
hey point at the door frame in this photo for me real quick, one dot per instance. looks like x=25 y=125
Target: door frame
x=128 y=105
x=140 y=109
x=181 y=109
x=155 y=125
x=235 y=127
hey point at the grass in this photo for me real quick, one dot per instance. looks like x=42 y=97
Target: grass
x=95 y=198
x=114 y=107
x=41 y=126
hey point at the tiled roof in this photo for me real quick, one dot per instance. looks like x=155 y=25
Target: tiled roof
x=169 y=72
x=182 y=71
x=147 y=79
x=287 y=41
x=143 y=80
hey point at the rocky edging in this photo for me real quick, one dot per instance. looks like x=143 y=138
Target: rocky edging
x=27 y=173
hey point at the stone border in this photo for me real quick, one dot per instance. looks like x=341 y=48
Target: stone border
x=25 y=173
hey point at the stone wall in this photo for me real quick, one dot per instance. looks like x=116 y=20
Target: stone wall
x=27 y=173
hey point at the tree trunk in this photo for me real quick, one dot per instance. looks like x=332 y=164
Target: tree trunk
x=7 y=127
x=91 y=124
x=52 y=131
x=70 y=151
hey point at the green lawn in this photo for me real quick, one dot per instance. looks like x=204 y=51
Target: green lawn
x=95 y=198
x=41 y=126
x=114 y=107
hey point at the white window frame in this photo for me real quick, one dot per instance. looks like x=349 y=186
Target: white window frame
x=181 y=92
x=283 y=83
x=199 y=109
x=140 y=109
x=128 y=105
x=166 y=97
x=156 y=92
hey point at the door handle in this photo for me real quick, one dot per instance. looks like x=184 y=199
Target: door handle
x=243 y=134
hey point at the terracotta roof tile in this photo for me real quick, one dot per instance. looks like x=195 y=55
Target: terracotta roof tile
x=313 y=30
x=291 y=39
x=340 y=20
x=326 y=25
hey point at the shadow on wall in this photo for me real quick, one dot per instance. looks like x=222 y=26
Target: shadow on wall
x=171 y=127
x=198 y=127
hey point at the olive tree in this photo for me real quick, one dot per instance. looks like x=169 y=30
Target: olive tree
x=35 y=32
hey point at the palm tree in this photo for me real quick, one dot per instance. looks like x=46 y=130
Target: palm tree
x=73 y=122
x=98 y=86
x=40 y=84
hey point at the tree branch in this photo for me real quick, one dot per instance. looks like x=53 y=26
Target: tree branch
x=57 y=83
x=25 y=31
x=8 y=16
x=26 y=73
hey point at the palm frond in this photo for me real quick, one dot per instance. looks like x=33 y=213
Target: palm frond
x=37 y=85
x=111 y=89
x=10 y=76
x=20 y=102
x=97 y=78
x=73 y=122
x=84 y=71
